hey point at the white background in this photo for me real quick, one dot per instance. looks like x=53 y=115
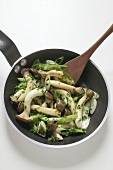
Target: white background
x=68 y=24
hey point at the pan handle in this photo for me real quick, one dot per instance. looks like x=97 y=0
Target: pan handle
x=8 y=48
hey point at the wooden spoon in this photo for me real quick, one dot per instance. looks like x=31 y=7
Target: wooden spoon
x=76 y=66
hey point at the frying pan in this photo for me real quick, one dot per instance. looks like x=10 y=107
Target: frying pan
x=91 y=78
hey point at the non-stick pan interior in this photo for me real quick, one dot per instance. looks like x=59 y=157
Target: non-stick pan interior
x=90 y=78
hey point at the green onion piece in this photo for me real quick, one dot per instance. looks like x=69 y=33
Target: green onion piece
x=66 y=119
x=59 y=60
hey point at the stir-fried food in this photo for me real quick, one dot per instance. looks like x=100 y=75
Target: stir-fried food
x=47 y=99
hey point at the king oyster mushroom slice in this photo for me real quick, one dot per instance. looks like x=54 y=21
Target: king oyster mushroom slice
x=70 y=101
x=27 y=103
x=93 y=105
x=14 y=98
x=29 y=87
x=47 y=111
x=79 y=108
x=85 y=115
x=85 y=123
x=58 y=84
x=59 y=74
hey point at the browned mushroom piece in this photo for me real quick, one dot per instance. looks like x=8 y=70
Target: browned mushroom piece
x=67 y=112
x=20 y=107
x=25 y=72
x=60 y=106
x=14 y=99
x=42 y=129
x=48 y=95
x=41 y=132
x=48 y=101
x=23 y=118
x=89 y=94
x=34 y=71
x=51 y=126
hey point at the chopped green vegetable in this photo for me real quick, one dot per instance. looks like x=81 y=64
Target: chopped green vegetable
x=84 y=117
x=36 y=76
x=74 y=129
x=69 y=131
x=21 y=79
x=66 y=119
x=34 y=128
x=40 y=86
x=51 y=138
x=47 y=67
x=69 y=77
x=38 y=116
x=21 y=85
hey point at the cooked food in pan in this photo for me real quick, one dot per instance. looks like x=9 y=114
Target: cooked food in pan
x=46 y=98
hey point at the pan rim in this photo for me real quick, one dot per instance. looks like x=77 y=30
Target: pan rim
x=66 y=145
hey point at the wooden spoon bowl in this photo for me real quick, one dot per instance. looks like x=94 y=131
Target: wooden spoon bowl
x=76 y=66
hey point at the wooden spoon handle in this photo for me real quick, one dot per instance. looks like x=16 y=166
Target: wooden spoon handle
x=92 y=49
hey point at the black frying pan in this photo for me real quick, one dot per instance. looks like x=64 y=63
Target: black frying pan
x=91 y=78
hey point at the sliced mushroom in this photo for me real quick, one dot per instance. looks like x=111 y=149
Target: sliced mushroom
x=70 y=101
x=59 y=74
x=93 y=105
x=89 y=94
x=14 y=98
x=85 y=123
x=24 y=116
x=29 y=86
x=34 y=71
x=48 y=95
x=47 y=111
x=42 y=129
x=20 y=107
x=58 y=84
x=60 y=106
x=51 y=126
x=79 y=107
x=67 y=112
